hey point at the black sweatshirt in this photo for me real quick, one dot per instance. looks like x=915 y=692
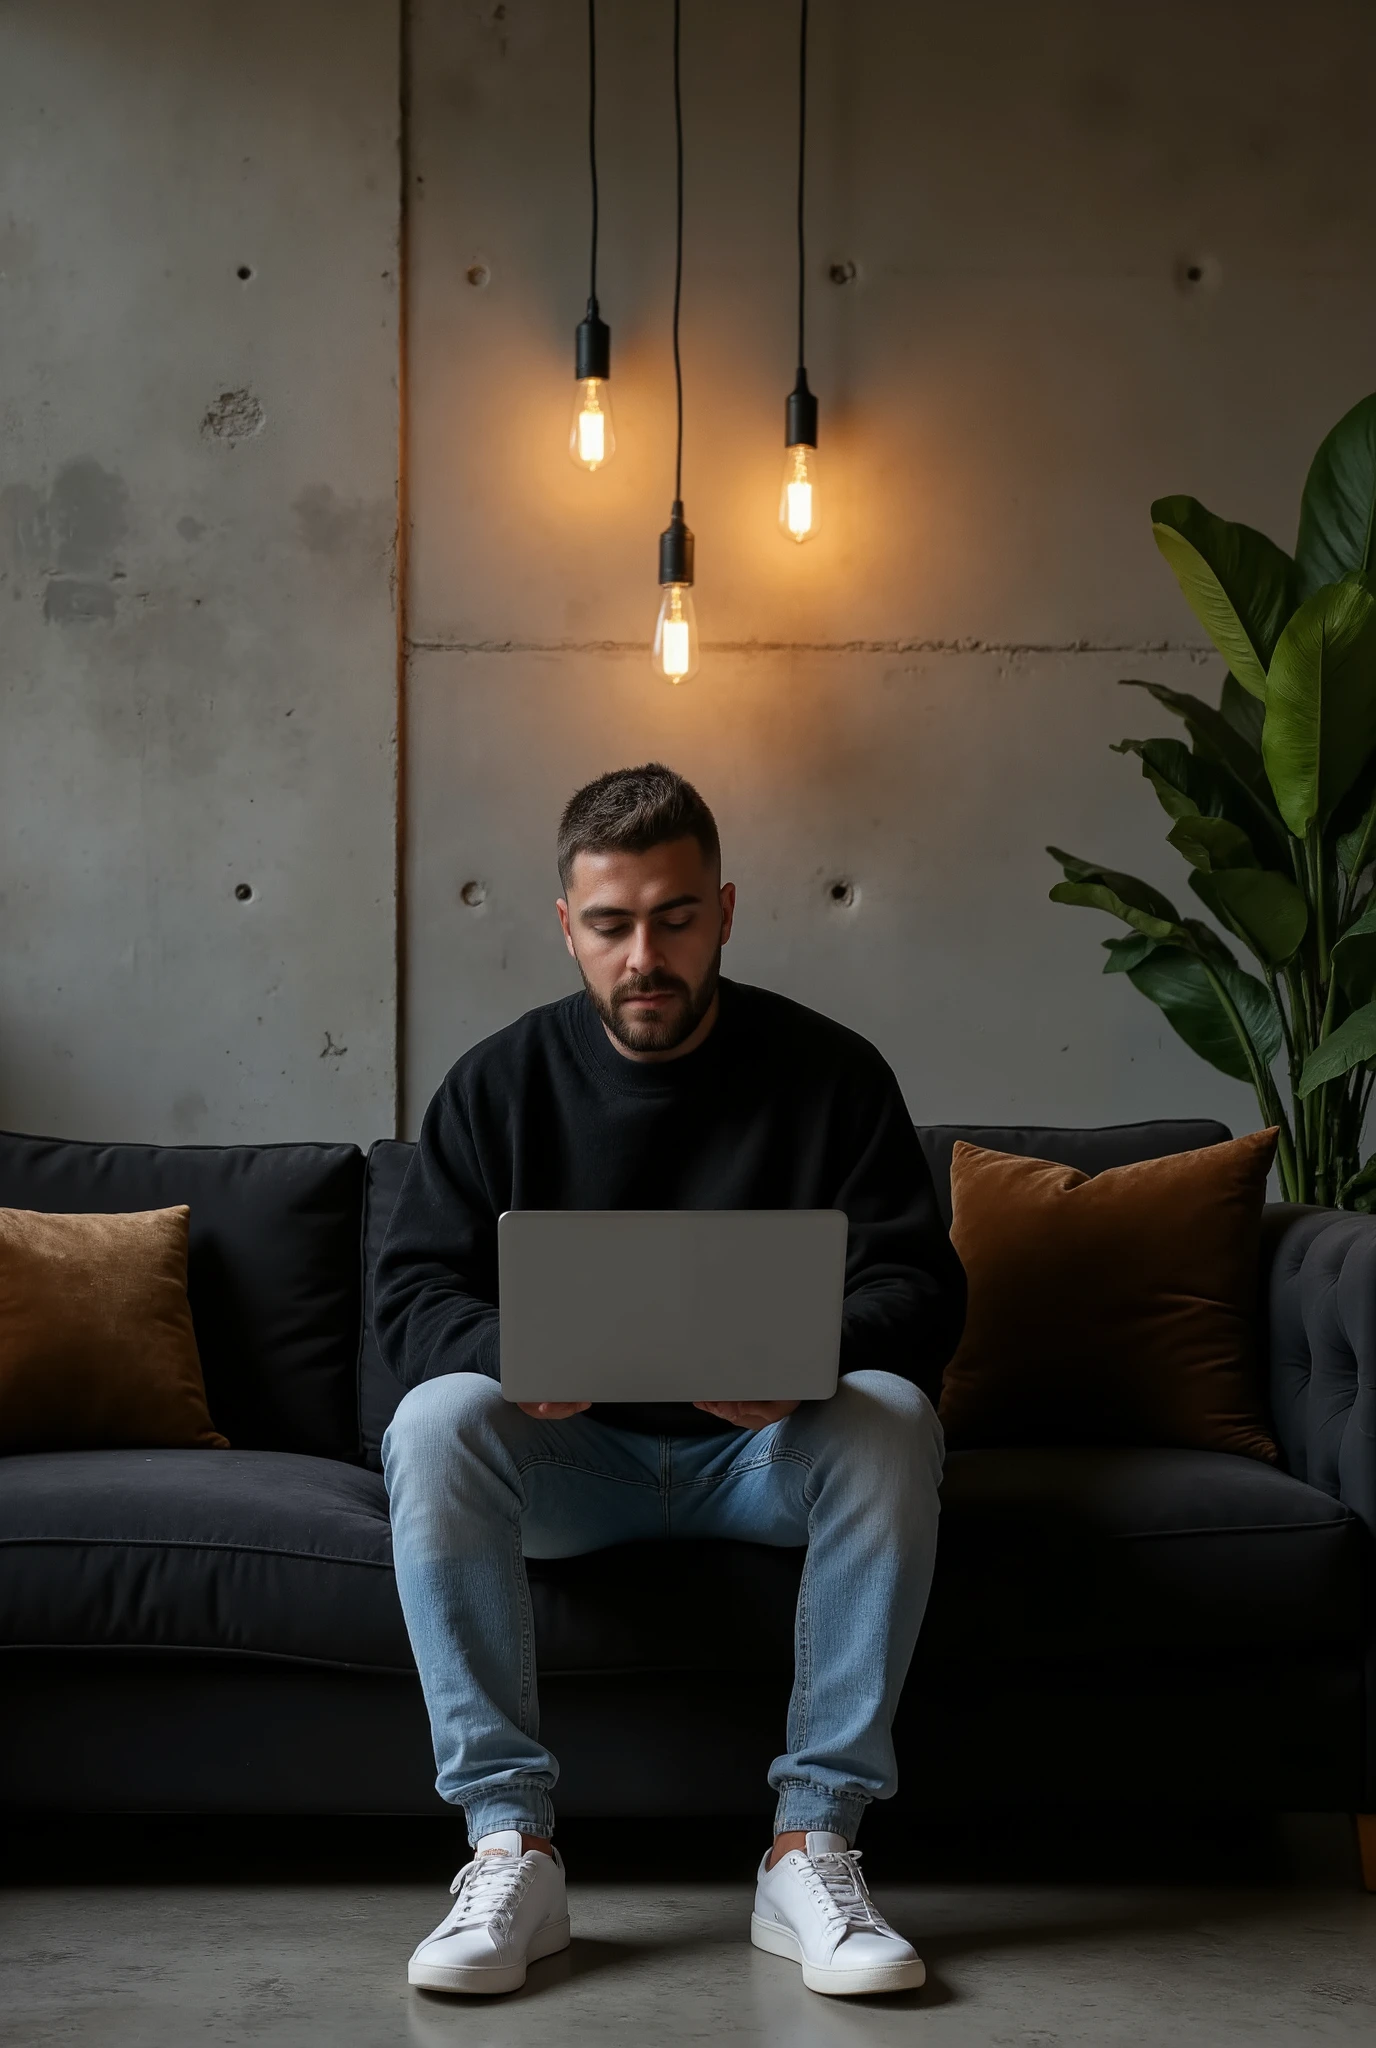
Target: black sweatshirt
x=778 y=1108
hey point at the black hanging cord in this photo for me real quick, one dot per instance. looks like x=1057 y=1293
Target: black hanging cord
x=593 y=346
x=678 y=253
x=800 y=413
x=592 y=144
x=802 y=166
x=676 y=548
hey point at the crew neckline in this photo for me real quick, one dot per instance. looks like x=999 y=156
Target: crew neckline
x=647 y=1077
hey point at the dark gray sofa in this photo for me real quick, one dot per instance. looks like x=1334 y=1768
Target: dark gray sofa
x=198 y=1631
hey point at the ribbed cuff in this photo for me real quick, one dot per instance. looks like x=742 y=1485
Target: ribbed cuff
x=807 y=1810
x=534 y=1816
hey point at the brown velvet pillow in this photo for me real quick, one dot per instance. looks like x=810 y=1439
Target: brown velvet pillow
x=96 y=1344
x=1113 y=1310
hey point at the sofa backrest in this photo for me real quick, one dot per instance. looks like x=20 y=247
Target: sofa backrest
x=273 y=1273
x=1089 y=1150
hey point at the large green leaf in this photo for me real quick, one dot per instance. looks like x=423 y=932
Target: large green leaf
x=1236 y=762
x=1125 y=954
x=1214 y=736
x=1209 y=843
x=1338 y=510
x=1321 y=702
x=1266 y=910
x=1099 y=888
x=1097 y=896
x=1240 y=585
x=1354 y=958
x=1357 y=848
x=1187 y=786
x=1179 y=984
x=1244 y=712
x=1353 y=1043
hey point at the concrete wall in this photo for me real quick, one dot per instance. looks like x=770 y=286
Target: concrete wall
x=196 y=627
x=197 y=640
x=920 y=699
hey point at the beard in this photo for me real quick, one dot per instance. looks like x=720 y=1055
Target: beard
x=671 y=1025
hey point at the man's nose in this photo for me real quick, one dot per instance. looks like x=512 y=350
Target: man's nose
x=643 y=957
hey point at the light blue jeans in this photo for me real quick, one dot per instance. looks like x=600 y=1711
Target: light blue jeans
x=476 y=1487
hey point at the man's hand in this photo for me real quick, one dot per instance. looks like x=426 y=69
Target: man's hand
x=748 y=1414
x=552 y=1411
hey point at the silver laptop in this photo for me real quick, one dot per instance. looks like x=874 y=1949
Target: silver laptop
x=670 y=1304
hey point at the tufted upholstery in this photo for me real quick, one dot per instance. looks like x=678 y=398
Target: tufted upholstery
x=1321 y=1313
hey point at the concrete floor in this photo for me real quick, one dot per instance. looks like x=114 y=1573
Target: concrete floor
x=1289 y=1956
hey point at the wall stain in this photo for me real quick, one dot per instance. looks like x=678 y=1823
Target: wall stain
x=189 y=528
x=331 y=525
x=68 y=601
x=64 y=536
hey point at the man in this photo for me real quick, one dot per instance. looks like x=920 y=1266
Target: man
x=660 y=1086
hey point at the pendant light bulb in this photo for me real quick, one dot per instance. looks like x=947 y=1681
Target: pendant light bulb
x=592 y=438
x=799 y=508
x=674 y=652
x=676 y=635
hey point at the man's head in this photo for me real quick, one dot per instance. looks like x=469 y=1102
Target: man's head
x=644 y=909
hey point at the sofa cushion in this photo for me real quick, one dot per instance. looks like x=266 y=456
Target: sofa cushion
x=264 y=1553
x=96 y=1342
x=1110 y=1308
x=1042 y=1554
x=1080 y=1552
x=273 y=1268
x=1091 y=1151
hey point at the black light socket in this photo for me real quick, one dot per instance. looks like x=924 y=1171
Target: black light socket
x=593 y=351
x=676 y=549
x=800 y=416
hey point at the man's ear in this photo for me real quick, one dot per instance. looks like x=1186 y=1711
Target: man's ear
x=728 y=909
x=563 y=909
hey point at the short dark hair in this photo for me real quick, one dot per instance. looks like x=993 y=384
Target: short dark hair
x=629 y=811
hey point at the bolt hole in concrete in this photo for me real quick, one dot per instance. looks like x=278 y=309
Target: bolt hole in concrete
x=843 y=894
x=1198 y=274
x=842 y=273
x=478 y=275
x=243 y=892
x=474 y=894
x=244 y=272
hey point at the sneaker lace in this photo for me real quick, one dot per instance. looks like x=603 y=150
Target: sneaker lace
x=487 y=1892
x=834 y=1879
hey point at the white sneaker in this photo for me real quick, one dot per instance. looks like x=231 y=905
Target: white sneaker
x=815 y=1908
x=509 y=1910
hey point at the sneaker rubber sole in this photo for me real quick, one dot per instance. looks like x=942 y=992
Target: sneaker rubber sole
x=481 y=1981
x=781 y=1941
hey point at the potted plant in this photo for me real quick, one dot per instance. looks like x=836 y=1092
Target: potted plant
x=1272 y=803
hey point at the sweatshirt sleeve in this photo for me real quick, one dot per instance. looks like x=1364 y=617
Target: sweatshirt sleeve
x=436 y=1295
x=905 y=1288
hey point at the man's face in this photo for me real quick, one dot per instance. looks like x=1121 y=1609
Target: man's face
x=646 y=930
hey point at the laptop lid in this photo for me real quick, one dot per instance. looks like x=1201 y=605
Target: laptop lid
x=670 y=1304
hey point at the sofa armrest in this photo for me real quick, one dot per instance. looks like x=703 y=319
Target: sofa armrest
x=1319 y=1310
x=1319 y=1294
